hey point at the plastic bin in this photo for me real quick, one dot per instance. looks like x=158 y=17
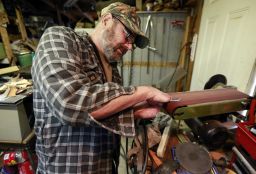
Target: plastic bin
x=25 y=59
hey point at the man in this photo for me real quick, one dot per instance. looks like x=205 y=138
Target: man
x=80 y=106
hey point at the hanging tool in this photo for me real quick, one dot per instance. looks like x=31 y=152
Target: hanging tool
x=147 y=24
x=148 y=28
x=152 y=49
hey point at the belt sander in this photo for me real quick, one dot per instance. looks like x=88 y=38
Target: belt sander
x=194 y=104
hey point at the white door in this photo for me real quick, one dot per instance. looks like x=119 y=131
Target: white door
x=226 y=42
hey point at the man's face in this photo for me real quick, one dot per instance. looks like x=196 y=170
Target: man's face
x=116 y=41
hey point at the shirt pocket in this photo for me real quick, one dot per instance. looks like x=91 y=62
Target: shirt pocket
x=93 y=73
x=91 y=68
x=94 y=77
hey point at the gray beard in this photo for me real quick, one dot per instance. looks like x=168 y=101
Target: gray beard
x=108 y=51
x=107 y=46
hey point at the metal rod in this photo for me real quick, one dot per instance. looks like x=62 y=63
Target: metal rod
x=244 y=161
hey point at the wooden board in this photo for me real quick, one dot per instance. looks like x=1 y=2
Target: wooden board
x=8 y=70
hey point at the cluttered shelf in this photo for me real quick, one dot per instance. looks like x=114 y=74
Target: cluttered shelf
x=16 y=108
x=18 y=155
x=17 y=136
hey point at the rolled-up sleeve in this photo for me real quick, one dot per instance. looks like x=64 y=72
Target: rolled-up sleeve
x=70 y=89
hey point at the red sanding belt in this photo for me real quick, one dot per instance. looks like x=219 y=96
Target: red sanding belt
x=201 y=97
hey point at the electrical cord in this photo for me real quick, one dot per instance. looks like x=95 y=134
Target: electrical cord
x=145 y=152
x=145 y=149
x=126 y=148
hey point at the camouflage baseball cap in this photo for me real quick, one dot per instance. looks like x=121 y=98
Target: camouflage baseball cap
x=127 y=15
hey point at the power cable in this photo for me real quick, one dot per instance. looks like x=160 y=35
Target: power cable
x=145 y=149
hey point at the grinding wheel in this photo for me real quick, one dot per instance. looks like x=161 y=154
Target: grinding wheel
x=193 y=158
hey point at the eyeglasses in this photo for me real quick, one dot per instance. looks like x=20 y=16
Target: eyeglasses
x=129 y=36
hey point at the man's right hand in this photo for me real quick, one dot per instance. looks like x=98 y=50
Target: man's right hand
x=154 y=99
x=154 y=95
x=145 y=111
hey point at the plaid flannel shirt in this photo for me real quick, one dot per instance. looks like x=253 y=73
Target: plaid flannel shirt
x=69 y=83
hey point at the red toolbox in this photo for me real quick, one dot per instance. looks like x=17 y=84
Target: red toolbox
x=244 y=137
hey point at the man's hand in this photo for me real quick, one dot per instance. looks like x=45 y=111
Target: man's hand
x=145 y=110
x=154 y=100
x=153 y=95
x=146 y=102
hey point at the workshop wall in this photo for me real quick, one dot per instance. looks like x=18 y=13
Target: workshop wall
x=147 y=66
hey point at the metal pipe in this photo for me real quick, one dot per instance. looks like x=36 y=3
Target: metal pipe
x=244 y=161
x=251 y=86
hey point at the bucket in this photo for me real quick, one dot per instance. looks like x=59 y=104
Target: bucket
x=25 y=59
